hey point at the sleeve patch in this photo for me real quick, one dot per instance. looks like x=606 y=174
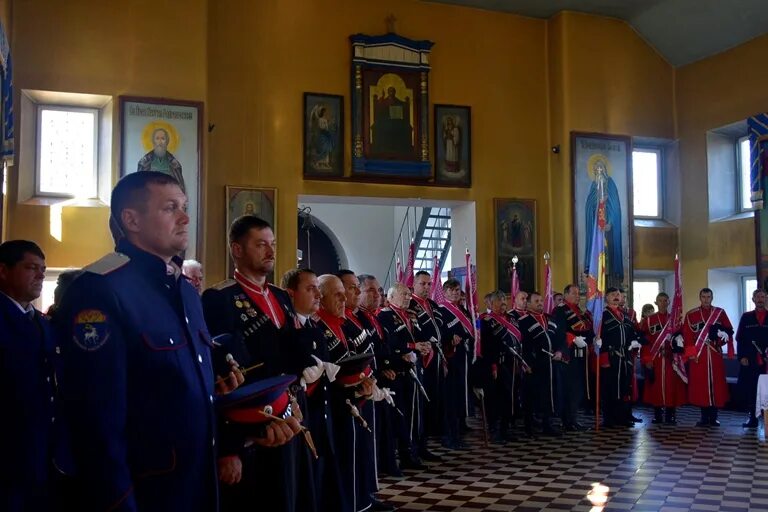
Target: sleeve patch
x=90 y=331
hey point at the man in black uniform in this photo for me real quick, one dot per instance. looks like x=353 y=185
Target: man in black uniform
x=578 y=337
x=541 y=350
x=429 y=318
x=256 y=313
x=619 y=339
x=752 y=341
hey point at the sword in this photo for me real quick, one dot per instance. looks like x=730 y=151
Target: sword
x=356 y=414
x=550 y=354
x=423 y=391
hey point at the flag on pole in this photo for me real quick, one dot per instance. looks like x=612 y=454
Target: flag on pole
x=549 y=298
x=471 y=291
x=399 y=271
x=437 y=294
x=595 y=269
x=515 y=287
x=676 y=321
x=409 y=266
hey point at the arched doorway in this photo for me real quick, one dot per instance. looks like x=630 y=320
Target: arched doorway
x=319 y=249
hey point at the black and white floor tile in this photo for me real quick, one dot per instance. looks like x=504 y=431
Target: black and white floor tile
x=645 y=468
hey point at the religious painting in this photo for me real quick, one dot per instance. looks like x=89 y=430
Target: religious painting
x=261 y=202
x=453 y=146
x=515 y=221
x=602 y=170
x=390 y=108
x=323 y=135
x=166 y=136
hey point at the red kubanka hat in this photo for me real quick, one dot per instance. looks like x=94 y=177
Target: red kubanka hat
x=354 y=369
x=249 y=403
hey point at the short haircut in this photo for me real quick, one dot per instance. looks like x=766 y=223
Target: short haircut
x=497 y=295
x=706 y=290
x=363 y=278
x=192 y=264
x=534 y=292
x=451 y=284
x=423 y=273
x=394 y=288
x=344 y=272
x=292 y=278
x=243 y=225
x=557 y=295
x=13 y=251
x=661 y=294
x=758 y=290
x=324 y=281
x=568 y=287
x=132 y=191
x=611 y=290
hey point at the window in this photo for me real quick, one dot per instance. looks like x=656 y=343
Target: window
x=646 y=182
x=67 y=151
x=645 y=292
x=743 y=165
x=748 y=285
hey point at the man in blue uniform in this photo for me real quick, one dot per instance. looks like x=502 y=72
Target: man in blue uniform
x=138 y=380
x=27 y=381
x=752 y=341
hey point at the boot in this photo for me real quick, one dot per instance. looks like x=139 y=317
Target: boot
x=704 y=422
x=751 y=422
x=670 y=419
x=657 y=415
x=713 y=417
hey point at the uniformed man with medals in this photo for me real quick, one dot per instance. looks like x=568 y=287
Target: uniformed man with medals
x=752 y=341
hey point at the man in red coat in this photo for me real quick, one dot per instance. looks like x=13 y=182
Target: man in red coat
x=705 y=330
x=664 y=387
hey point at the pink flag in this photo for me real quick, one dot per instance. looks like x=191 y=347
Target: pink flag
x=410 y=264
x=471 y=291
x=549 y=299
x=515 y=288
x=437 y=293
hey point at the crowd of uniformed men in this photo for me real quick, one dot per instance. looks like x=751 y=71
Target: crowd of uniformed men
x=134 y=394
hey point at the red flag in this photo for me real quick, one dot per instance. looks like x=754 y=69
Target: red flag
x=515 y=288
x=549 y=299
x=676 y=319
x=409 y=266
x=437 y=293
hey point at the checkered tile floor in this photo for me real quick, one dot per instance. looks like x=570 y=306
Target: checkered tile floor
x=648 y=468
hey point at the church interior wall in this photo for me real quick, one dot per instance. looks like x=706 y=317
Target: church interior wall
x=529 y=83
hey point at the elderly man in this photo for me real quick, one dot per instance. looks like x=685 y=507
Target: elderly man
x=403 y=336
x=193 y=271
x=353 y=437
x=159 y=159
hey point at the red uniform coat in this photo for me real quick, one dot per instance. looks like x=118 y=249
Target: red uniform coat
x=666 y=388
x=706 y=373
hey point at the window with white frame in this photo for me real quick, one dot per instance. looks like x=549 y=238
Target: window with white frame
x=743 y=165
x=67 y=154
x=644 y=291
x=748 y=285
x=647 y=182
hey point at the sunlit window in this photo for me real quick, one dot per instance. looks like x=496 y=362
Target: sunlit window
x=646 y=180
x=67 y=152
x=749 y=285
x=644 y=292
x=743 y=159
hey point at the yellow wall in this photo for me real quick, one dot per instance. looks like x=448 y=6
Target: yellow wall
x=605 y=79
x=711 y=93
x=98 y=47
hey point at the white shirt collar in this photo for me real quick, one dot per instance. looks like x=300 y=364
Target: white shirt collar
x=30 y=307
x=302 y=318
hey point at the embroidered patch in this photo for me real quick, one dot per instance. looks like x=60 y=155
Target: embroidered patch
x=90 y=330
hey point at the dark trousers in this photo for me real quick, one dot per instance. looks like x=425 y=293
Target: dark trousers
x=572 y=390
x=747 y=386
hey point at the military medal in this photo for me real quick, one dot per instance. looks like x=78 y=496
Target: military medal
x=238 y=304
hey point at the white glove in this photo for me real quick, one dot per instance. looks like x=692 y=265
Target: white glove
x=679 y=340
x=479 y=393
x=312 y=373
x=410 y=357
x=598 y=343
x=331 y=370
x=380 y=394
x=580 y=341
x=634 y=345
x=722 y=335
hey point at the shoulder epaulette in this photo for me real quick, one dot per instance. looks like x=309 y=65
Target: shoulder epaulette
x=108 y=264
x=224 y=284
